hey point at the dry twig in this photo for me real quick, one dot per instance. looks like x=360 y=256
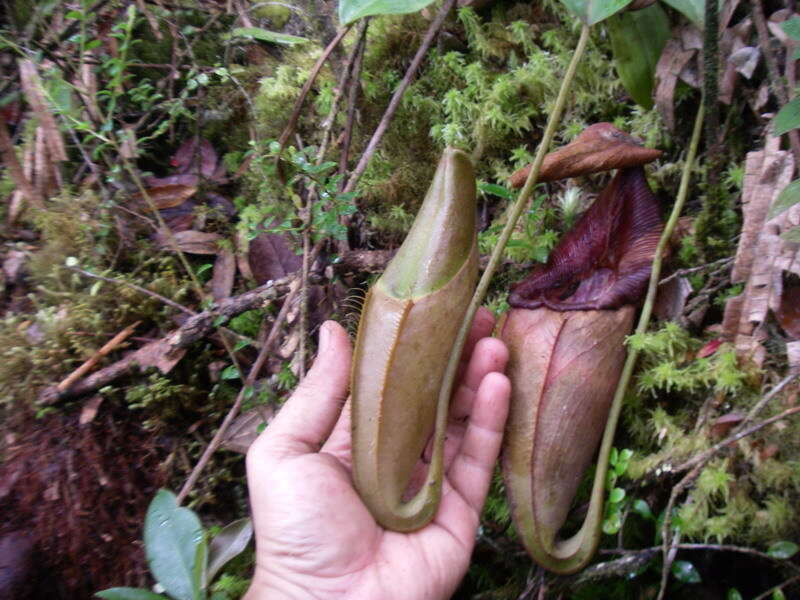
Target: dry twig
x=106 y=349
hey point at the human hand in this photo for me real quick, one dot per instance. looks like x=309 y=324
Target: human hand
x=314 y=536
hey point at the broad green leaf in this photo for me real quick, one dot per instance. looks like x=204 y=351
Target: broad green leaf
x=694 y=10
x=789 y=196
x=642 y=508
x=594 y=11
x=685 y=572
x=778 y=595
x=637 y=39
x=229 y=542
x=127 y=593
x=788 y=117
x=350 y=10
x=783 y=549
x=793 y=235
x=264 y=35
x=792 y=28
x=733 y=594
x=612 y=524
x=172 y=535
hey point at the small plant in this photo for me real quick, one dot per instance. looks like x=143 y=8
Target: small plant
x=615 y=505
x=181 y=559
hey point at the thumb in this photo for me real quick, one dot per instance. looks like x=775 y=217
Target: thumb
x=307 y=418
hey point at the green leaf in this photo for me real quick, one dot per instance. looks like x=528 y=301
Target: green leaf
x=778 y=595
x=201 y=564
x=694 y=10
x=637 y=39
x=350 y=10
x=685 y=572
x=789 y=196
x=229 y=542
x=642 y=508
x=594 y=11
x=783 y=549
x=793 y=235
x=495 y=190
x=613 y=456
x=127 y=593
x=792 y=28
x=616 y=496
x=612 y=524
x=230 y=372
x=733 y=594
x=788 y=117
x=172 y=535
x=264 y=35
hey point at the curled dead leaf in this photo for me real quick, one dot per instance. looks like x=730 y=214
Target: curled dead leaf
x=192 y=242
x=599 y=147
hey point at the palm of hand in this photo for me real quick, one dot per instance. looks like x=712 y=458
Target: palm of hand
x=314 y=536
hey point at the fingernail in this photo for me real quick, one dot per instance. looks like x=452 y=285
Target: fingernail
x=324 y=338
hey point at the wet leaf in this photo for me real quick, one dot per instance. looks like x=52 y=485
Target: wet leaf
x=351 y=10
x=172 y=535
x=227 y=544
x=792 y=28
x=788 y=117
x=783 y=549
x=733 y=594
x=789 y=196
x=637 y=39
x=245 y=428
x=264 y=35
x=594 y=11
x=685 y=572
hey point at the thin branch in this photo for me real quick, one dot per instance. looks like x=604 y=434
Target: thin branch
x=107 y=348
x=138 y=288
x=394 y=103
x=722 y=262
x=780 y=586
x=298 y=105
x=352 y=97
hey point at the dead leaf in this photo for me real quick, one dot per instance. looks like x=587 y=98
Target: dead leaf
x=34 y=94
x=186 y=179
x=246 y=428
x=671 y=299
x=599 y=147
x=271 y=257
x=197 y=156
x=13 y=265
x=762 y=257
x=171 y=195
x=672 y=62
x=192 y=241
x=180 y=218
x=224 y=274
x=710 y=348
x=745 y=60
x=89 y=410
x=158 y=354
x=788 y=313
x=722 y=426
